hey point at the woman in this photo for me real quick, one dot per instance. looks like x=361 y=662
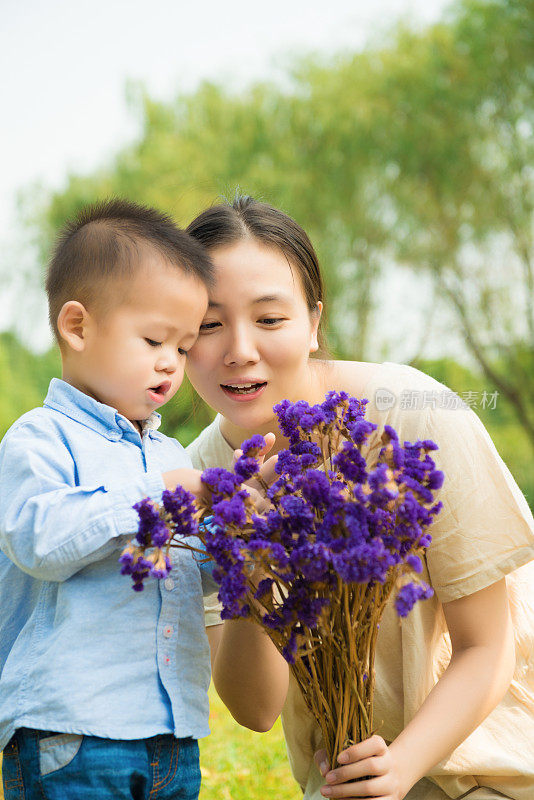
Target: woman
x=450 y=663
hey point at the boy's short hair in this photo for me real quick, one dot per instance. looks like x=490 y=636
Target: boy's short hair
x=104 y=242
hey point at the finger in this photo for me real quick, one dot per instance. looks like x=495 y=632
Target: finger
x=377 y=788
x=321 y=761
x=377 y=765
x=237 y=454
x=270 y=439
x=374 y=746
x=267 y=470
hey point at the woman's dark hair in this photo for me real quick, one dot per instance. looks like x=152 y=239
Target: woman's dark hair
x=244 y=218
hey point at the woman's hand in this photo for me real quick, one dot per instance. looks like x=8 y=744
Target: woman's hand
x=371 y=759
x=267 y=474
x=266 y=467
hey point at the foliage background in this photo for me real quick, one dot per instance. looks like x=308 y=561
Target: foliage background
x=410 y=164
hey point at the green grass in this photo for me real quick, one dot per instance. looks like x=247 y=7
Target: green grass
x=238 y=764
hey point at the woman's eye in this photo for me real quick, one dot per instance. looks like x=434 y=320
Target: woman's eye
x=152 y=343
x=271 y=320
x=209 y=326
x=182 y=351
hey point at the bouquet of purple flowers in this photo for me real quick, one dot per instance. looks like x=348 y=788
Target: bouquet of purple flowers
x=343 y=532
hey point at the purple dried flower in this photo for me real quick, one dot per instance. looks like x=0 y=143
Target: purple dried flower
x=220 y=480
x=415 y=563
x=391 y=432
x=360 y=430
x=350 y=462
x=252 y=446
x=409 y=594
x=148 y=519
x=435 y=480
x=315 y=487
x=290 y=649
x=245 y=468
x=264 y=588
x=230 y=512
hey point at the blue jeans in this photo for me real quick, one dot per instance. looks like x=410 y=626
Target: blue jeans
x=67 y=766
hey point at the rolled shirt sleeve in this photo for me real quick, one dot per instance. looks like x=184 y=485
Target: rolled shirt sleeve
x=485 y=529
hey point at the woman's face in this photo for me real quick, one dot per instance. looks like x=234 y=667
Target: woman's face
x=256 y=337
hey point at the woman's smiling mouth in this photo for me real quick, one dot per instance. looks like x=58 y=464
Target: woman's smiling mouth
x=243 y=390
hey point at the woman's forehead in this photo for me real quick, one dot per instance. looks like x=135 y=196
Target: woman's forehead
x=253 y=271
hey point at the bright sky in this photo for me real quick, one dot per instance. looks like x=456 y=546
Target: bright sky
x=65 y=64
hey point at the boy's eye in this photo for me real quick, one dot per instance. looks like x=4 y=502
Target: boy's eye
x=182 y=351
x=209 y=326
x=152 y=343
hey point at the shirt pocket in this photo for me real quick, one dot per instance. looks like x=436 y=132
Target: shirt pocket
x=55 y=752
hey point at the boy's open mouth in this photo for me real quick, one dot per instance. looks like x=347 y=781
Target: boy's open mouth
x=160 y=390
x=243 y=388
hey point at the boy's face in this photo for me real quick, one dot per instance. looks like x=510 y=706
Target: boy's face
x=134 y=356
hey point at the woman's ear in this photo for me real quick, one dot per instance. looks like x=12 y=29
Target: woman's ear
x=72 y=324
x=315 y=317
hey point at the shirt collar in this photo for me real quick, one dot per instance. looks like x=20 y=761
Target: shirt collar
x=90 y=412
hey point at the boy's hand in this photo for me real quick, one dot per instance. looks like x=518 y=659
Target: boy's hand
x=189 y=479
x=371 y=759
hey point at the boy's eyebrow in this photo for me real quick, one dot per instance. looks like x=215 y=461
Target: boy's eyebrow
x=166 y=327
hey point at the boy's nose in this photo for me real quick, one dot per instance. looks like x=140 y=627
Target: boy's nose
x=168 y=361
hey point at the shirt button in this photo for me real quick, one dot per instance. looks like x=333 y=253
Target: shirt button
x=167 y=660
x=168 y=583
x=168 y=631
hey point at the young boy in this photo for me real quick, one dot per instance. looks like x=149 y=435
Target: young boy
x=103 y=691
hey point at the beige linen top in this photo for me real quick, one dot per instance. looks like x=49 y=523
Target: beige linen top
x=484 y=532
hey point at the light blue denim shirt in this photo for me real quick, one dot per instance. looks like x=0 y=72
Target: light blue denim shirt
x=80 y=651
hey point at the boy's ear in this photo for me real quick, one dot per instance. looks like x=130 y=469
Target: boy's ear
x=315 y=319
x=72 y=324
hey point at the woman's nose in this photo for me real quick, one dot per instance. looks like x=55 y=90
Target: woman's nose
x=241 y=348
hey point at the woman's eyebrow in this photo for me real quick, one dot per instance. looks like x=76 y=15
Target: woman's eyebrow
x=268 y=298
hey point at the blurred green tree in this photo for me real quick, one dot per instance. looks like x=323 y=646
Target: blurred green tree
x=415 y=153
